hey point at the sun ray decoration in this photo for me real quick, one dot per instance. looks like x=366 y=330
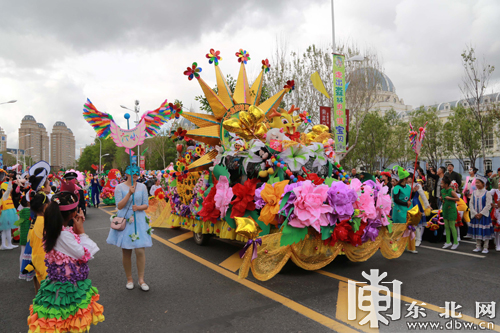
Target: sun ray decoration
x=225 y=103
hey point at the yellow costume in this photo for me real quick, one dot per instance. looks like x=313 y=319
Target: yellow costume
x=35 y=237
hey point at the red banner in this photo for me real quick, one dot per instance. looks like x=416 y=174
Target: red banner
x=325 y=114
x=143 y=162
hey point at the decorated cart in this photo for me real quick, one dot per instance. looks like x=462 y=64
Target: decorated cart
x=269 y=177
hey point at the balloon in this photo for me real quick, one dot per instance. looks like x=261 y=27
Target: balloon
x=179 y=148
x=246 y=227
x=249 y=124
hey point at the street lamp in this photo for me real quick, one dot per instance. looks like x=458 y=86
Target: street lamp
x=100 y=151
x=9 y=102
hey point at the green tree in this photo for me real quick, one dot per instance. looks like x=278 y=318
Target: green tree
x=90 y=155
x=204 y=106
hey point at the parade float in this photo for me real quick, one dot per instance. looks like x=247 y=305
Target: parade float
x=270 y=178
x=108 y=191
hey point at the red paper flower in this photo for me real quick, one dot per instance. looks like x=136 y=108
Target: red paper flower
x=340 y=233
x=208 y=212
x=355 y=237
x=244 y=198
x=193 y=71
x=315 y=179
x=290 y=85
x=213 y=56
x=243 y=56
x=265 y=65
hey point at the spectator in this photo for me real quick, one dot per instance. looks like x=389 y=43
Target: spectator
x=489 y=186
x=386 y=179
x=470 y=184
x=354 y=173
x=437 y=177
x=454 y=176
x=494 y=179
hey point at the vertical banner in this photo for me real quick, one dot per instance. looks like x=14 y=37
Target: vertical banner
x=339 y=116
x=143 y=162
x=1 y=161
x=325 y=116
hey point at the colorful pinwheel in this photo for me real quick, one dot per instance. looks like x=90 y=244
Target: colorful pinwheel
x=176 y=110
x=306 y=118
x=214 y=57
x=290 y=85
x=193 y=71
x=265 y=65
x=243 y=56
x=180 y=133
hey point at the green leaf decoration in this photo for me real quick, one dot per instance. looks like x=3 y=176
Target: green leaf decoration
x=273 y=179
x=329 y=181
x=207 y=191
x=229 y=220
x=284 y=200
x=265 y=228
x=291 y=235
x=327 y=231
x=173 y=183
x=220 y=170
x=281 y=174
x=389 y=227
x=355 y=222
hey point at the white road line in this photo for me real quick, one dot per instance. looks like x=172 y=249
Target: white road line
x=466 y=241
x=451 y=251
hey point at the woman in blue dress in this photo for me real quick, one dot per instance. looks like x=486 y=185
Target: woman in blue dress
x=127 y=239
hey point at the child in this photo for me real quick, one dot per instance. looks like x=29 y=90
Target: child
x=449 y=212
x=480 y=227
x=420 y=199
x=8 y=215
x=401 y=197
x=66 y=301
x=24 y=226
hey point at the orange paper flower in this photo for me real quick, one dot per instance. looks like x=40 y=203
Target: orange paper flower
x=272 y=195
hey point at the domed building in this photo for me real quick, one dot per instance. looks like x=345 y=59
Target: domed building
x=385 y=97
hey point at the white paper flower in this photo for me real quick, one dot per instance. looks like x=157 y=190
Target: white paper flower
x=317 y=151
x=134 y=237
x=250 y=155
x=295 y=156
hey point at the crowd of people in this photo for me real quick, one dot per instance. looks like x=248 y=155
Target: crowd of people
x=466 y=209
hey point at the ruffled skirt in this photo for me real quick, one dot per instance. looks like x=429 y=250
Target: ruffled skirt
x=8 y=218
x=64 y=307
x=481 y=229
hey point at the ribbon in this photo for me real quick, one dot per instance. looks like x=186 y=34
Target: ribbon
x=251 y=242
x=410 y=231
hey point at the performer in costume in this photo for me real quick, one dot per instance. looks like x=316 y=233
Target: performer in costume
x=495 y=216
x=480 y=227
x=123 y=239
x=470 y=184
x=8 y=215
x=419 y=199
x=94 y=183
x=66 y=301
x=449 y=212
x=401 y=197
x=24 y=226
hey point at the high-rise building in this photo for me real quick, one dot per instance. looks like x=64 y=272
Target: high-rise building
x=62 y=146
x=3 y=140
x=38 y=138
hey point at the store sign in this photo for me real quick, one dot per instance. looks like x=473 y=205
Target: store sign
x=325 y=115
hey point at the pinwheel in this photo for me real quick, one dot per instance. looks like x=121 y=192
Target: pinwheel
x=416 y=140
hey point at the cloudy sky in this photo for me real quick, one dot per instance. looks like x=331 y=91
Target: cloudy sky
x=54 y=54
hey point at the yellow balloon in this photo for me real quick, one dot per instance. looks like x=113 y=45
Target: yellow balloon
x=233 y=125
x=246 y=121
x=246 y=227
x=318 y=129
x=255 y=114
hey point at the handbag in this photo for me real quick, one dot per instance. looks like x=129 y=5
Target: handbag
x=119 y=223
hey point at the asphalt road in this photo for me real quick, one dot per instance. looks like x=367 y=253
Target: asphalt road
x=195 y=289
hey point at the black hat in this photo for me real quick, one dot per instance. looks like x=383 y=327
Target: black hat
x=70 y=175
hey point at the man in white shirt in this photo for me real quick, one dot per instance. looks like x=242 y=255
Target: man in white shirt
x=156 y=186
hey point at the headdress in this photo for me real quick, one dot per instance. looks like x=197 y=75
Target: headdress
x=481 y=178
x=133 y=170
x=65 y=208
x=41 y=171
x=402 y=173
x=454 y=185
x=385 y=173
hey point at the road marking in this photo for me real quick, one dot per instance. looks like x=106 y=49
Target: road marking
x=452 y=251
x=409 y=300
x=466 y=241
x=342 y=312
x=233 y=263
x=104 y=210
x=305 y=311
x=180 y=238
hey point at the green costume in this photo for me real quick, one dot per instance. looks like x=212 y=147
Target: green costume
x=449 y=207
x=400 y=210
x=24 y=225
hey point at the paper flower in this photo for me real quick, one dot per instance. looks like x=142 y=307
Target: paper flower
x=243 y=56
x=209 y=212
x=259 y=202
x=176 y=109
x=271 y=194
x=214 y=57
x=309 y=207
x=249 y=155
x=306 y=118
x=223 y=196
x=371 y=230
x=193 y=71
x=383 y=205
x=355 y=238
x=244 y=198
x=366 y=203
x=113 y=183
x=341 y=198
x=330 y=149
x=317 y=151
x=290 y=85
x=295 y=156
x=134 y=237
x=265 y=65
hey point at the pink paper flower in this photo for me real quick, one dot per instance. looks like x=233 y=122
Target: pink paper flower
x=383 y=205
x=223 y=196
x=310 y=209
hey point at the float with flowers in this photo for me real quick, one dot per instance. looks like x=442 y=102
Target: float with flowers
x=269 y=177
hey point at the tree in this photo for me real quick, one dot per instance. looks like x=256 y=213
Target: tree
x=8 y=159
x=364 y=80
x=161 y=151
x=90 y=155
x=474 y=83
x=433 y=145
x=462 y=136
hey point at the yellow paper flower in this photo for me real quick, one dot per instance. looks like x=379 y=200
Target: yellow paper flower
x=272 y=195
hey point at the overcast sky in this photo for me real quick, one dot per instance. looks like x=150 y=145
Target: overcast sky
x=55 y=54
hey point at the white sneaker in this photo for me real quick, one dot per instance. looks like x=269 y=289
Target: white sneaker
x=447 y=245
x=418 y=242
x=454 y=247
x=498 y=248
x=414 y=252
x=485 y=251
x=477 y=249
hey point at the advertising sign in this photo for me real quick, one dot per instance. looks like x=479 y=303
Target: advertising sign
x=339 y=115
x=325 y=115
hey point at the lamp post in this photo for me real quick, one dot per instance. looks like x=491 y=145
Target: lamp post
x=100 y=151
x=101 y=156
x=136 y=111
x=9 y=102
x=24 y=156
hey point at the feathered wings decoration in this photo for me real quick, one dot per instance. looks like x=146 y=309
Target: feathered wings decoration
x=416 y=138
x=149 y=125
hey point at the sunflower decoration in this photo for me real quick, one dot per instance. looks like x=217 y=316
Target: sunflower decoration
x=199 y=150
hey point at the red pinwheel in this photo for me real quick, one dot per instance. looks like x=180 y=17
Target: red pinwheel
x=290 y=85
x=214 y=57
x=176 y=110
x=193 y=71
x=265 y=65
x=243 y=56
x=180 y=133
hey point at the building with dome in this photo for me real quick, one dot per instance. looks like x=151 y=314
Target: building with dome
x=34 y=139
x=62 y=146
